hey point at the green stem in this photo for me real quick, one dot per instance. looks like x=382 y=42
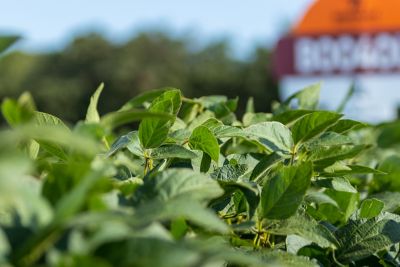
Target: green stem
x=191 y=101
x=335 y=260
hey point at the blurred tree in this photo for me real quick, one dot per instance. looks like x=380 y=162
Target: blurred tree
x=61 y=82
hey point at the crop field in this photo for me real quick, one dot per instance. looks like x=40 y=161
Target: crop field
x=170 y=181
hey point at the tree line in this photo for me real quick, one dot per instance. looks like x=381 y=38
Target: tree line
x=62 y=81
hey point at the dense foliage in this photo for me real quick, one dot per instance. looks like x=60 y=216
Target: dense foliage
x=62 y=81
x=195 y=185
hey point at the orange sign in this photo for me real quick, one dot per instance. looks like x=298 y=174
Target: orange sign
x=349 y=16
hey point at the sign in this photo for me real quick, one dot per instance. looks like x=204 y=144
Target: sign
x=338 y=54
x=342 y=37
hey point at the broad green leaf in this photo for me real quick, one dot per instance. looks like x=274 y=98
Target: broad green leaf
x=350 y=170
x=308 y=98
x=312 y=125
x=115 y=119
x=249 y=190
x=15 y=113
x=147 y=96
x=390 y=199
x=74 y=200
x=92 y=115
x=346 y=125
x=200 y=119
x=273 y=135
x=174 y=95
x=291 y=116
x=179 y=206
x=153 y=132
x=264 y=166
x=306 y=227
x=346 y=205
x=44 y=119
x=362 y=238
x=50 y=134
x=124 y=141
x=174 y=183
x=371 y=208
x=281 y=258
x=172 y=151
x=320 y=198
x=336 y=183
x=222 y=131
x=283 y=193
x=294 y=243
x=329 y=139
x=148 y=251
x=254 y=118
x=203 y=139
x=20 y=193
x=229 y=172
x=325 y=156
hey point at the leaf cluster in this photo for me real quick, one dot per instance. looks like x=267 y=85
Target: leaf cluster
x=194 y=185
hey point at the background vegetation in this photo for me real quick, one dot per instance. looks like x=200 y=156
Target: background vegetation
x=61 y=82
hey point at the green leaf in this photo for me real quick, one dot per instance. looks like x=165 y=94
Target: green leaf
x=45 y=119
x=123 y=141
x=203 y=139
x=147 y=96
x=283 y=193
x=281 y=258
x=172 y=151
x=320 y=198
x=273 y=135
x=174 y=183
x=53 y=135
x=344 y=126
x=350 y=170
x=325 y=156
x=264 y=166
x=390 y=199
x=249 y=190
x=229 y=172
x=254 y=118
x=371 y=208
x=346 y=205
x=308 y=98
x=336 y=183
x=147 y=251
x=115 y=119
x=92 y=115
x=362 y=238
x=306 y=227
x=179 y=206
x=15 y=113
x=222 y=131
x=153 y=132
x=74 y=200
x=312 y=125
x=20 y=196
x=291 y=116
x=329 y=139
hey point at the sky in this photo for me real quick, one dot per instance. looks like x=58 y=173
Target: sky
x=50 y=24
